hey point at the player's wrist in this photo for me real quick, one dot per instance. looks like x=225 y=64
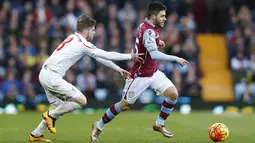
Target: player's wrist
x=118 y=69
x=178 y=59
x=132 y=55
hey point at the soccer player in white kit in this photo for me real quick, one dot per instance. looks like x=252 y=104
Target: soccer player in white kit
x=63 y=96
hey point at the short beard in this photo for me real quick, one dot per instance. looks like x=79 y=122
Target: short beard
x=158 y=24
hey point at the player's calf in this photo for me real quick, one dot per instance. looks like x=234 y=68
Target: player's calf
x=168 y=105
x=109 y=115
x=124 y=105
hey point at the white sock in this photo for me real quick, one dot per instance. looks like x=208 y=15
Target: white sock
x=160 y=121
x=40 y=129
x=63 y=109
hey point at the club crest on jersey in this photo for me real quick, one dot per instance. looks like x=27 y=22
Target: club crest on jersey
x=150 y=32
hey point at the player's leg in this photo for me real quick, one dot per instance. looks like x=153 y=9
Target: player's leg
x=37 y=134
x=69 y=106
x=163 y=85
x=132 y=90
x=64 y=90
x=74 y=100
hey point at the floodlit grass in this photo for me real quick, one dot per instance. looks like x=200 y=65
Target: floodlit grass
x=129 y=127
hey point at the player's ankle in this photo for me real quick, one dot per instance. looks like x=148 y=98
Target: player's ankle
x=159 y=123
x=100 y=125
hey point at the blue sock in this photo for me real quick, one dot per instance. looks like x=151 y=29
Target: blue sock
x=166 y=109
x=110 y=114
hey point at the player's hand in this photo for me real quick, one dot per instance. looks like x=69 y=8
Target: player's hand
x=135 y=57
x=183 y=62
x=161 y=44
x=124 y=73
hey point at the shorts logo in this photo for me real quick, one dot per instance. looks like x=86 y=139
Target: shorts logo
x=73 y=89
x=131 y=94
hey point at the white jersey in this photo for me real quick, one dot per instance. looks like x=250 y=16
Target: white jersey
x=74 y=48
x=67 y=54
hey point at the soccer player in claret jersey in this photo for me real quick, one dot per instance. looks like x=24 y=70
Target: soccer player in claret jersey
x=146 y=75
x=63 y=96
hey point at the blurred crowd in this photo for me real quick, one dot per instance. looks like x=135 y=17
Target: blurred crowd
x=241 y=50
x=31 y=30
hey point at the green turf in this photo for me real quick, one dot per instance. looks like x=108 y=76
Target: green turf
x=129 y=127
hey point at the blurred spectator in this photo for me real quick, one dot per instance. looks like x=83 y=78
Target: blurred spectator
x=56 y=8
x=192 y=87
x=100 y=38
x=245 y=90
x=101 y=77
x=127 y=14
x=240 y=62
x=70 y=18
x=11 y=86
x=43 y=14
x=101 y=12
x=70 y=77
x=86 y=82
x=27 y=86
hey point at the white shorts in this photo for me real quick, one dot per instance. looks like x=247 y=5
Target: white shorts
x=56 y=88
x=135 y=87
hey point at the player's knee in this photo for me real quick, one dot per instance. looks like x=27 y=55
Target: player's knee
x=127 y=107
x=82 y=100
x=124 y=105
x=55 y=104
x=171 y=93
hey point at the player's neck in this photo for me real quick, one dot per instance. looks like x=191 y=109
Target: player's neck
x=83 y=35
x=152 y=22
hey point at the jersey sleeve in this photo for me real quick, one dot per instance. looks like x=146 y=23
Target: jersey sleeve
x=93 y=51
x=99 y=53
x=149 y=40
x=108 y=63
x=157 y=55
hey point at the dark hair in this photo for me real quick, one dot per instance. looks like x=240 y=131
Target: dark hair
x=154 y=8
x=84 y=21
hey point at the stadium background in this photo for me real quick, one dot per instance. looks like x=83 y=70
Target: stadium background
x=216 y=36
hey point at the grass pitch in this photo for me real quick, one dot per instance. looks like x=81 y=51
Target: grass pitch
x=129 y=127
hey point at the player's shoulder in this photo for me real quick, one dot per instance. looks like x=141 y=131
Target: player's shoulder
x=82 y=43
x=147 y=30
x=150 y=31
x=89 y=45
